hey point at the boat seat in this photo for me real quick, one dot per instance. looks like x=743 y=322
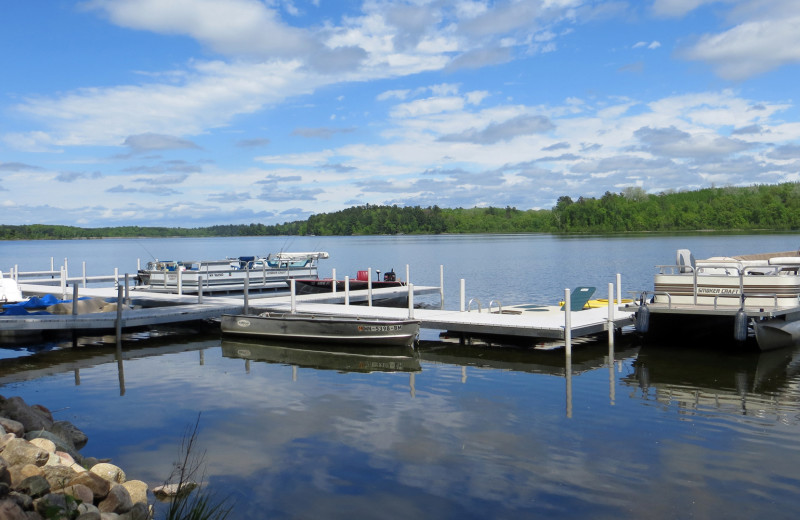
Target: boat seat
x=579 y=298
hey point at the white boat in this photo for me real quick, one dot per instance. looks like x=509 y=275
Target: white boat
x=759 y=291
x=9 y=290
x=230 y=274
x=351 y=330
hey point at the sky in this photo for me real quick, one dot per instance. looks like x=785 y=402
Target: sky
x=192 y=113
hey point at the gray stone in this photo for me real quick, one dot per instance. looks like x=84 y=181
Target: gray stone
x=139 y=511
x=108 y=516
x=118 y=501
x=10 y=510
x=5 y=475
x=55 y=505
x=97 y=484
x=35 y=486
x=109 y=472
x=80 y=492
x=5 y=489
x=88 y=512
x=68 y=431
x=12 y=426
x=61 y=444
x=20 y=451
x=58 y=476
x=24 y=501
x=21 y=472
x=31 y=417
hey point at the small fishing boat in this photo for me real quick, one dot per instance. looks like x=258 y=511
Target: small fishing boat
x=350 y=330
x=229 y=274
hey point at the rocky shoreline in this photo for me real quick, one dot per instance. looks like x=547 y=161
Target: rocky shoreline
x=42 y=475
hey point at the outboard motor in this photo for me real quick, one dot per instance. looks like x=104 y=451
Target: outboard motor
x=389 y=276
x=685 y=261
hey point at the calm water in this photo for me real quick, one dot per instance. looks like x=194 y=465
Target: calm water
x=449 y=431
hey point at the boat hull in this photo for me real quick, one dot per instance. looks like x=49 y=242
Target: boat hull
x=777 y=333
x=328 y=329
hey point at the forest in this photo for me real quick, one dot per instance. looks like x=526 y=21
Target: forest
x=758 y=207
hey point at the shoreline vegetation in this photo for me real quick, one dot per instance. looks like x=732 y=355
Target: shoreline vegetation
x=753 y=208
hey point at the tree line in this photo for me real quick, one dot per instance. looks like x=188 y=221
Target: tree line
x=759 y=207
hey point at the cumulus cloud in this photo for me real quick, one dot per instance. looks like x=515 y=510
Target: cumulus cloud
x=672 y=142
x=150 y=142
x=17 y=167
x=507 y=130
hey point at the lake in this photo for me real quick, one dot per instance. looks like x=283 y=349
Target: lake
x=448 y=431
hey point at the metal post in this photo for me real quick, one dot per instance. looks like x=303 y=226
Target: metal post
x=333 y=280
x=347 y=290
x=16 y=272
x=116 y=277
x=619 y=289
x=127 y=289
x=74 y=299
x=463 y=295
x=63 y=284
x=411 y=301
x=369 y=286
x=408 y=274
x=199 y=288
x=84 y=275
x=441 y=286
x=138 y=264
x=118 y=323
x=611 y=315
x=568 y=374
x=66 y=269
x=246 y=309
x=293 y=307
x=52 y=264
x=567 y=323
x=180 y=281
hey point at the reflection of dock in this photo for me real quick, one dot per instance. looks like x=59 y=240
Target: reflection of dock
x=326 y=357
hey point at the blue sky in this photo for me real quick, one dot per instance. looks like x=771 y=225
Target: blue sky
x=198 y=112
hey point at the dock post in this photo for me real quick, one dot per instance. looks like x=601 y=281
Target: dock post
x=369 y=286
x=118 y=323
x=63 y=283
x=408 y=274
x=116 y=277
x=441 y=286
x=293 y=305
x=619 y=289
x=66 y=270
x=199 y=288
x=411 y=301
x=567 y=323
x=180 y=281
x=347 y=290
x=138 y=264
x=52 y=264
x=16 y=272
x=611 y=315
x=463 y=294
x=127 y=289
x=74 y=299
x=333 y=280
x=84 y=274
x=246 y=308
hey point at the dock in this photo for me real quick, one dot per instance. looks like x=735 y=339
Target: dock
x=157 y=308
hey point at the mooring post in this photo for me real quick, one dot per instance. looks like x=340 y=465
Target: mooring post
x=567 y=323
x=16 y=272
x=611 y=317
x=127 y=289
x=199 y=288
x=118 y=323
x=408 y=274
x=66 y=269
x=246 y=307
x=116 y=277
x=63 y=284
x=347 y=290
x=293 y=307
x=441 y=286
x=463 y=295
x=84 y=274
x=568 y=374
x=180 y=281
x=619 y=289
x=411 y=301
x=369 y=286
x=74 y=299
x=333 y=280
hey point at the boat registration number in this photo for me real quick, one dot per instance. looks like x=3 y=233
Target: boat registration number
x=378 y=328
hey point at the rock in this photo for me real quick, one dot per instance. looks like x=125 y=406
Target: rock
x=31 y=417
x=5 y=489
x=89 y=462
x=23 y=501
x=5 y=475
x=68 y=431
x=35 y=486
x=10 y=510
x=172 y=490
x=118 y=500
x=55 y=505
x=88 y=512
x=20 y=451
x=4 y=439
x=58 y=476
x=137 y=489
x=46 y=444
x=20 y=473
x=61 y=444
x=12 y=426
x=66 y=458
x=109 y=516
x=79 y=492
x=96 y=483
x=109 y=472
x=139 y=511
